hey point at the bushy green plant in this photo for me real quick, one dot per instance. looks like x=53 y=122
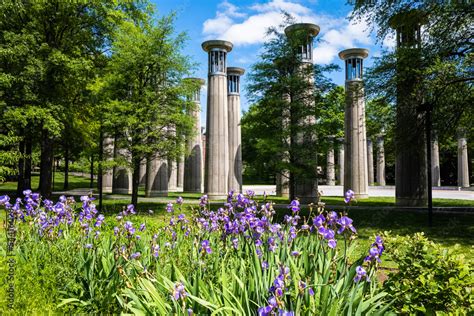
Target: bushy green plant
x=429 y=279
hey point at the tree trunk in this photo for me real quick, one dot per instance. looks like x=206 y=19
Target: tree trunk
x=135 y=180
x=21 y=168
x=66 y=168
x=28 y=153
x=92 y=172
x=46 y=165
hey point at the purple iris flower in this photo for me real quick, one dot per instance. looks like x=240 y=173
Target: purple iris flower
x=360 y=274
x=265 y=311
x=205 y=247
x=203 y=201
x=155 y=249
x=250 y=193
x=27 y=193
x=88 y=246
x=265 y=265
x=135 y=255
x=328 y=234
x=349 y=196
x=295 y=206
x=346 y=224
x=295 y=253
x=142 y=227
x=319 y=220
x=169 y=207
x=285 y=313
x=179 y=292
x=374 y=255
x=179 y=200
x=4 y=199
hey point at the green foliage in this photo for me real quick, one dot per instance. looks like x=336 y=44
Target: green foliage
x=429 y=279
x=282 y=122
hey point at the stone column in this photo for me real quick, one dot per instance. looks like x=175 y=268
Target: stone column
x=355 y=166
x=463 y=162
x=330 y=163
x=435 y=170
x=411 y=182
x=143 y=172
x=216 y=175
x=172 y=175
x=180 y=182
x=340 y=159
x=122 y=182
x=107 y=176
x=156 y=177
x=235 y=138
x=370 y=162
x=172 y=167
x=283 y=177
x=193 y=163
x=305 y=185
x=380 y=160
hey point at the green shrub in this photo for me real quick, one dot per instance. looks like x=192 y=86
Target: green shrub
x=430 y=279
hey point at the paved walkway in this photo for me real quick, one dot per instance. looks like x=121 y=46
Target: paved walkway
x=337 y=190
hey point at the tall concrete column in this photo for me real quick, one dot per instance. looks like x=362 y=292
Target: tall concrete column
x=142 y=172
x=370 y=162
x=180 y=181
x=216 y=175
x=193 y=163
x=122 y=182
x=305 y=184
x=380 y=160
x=235 y=138
x=435 y=170
x=283 y=177
x=108 y=154
x=156 y=177
x=330 y=163
x=463 y=162
x=172 y=167
x=411 y=181
x=340 y=160
x=355 y=166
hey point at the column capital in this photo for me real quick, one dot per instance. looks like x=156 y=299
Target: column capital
x=217 y=44
x=235 y=71
x=354 y=53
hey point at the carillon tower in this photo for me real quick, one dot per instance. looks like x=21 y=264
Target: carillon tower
x=217 y=126
x=355 y=164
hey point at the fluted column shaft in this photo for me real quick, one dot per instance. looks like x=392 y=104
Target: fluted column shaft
x=463 y=162
x=340 y=159
x=108 y=176
x=435 y=169
x=380 y=161
x=370 y=162
x=330 y=163
x=156 y=177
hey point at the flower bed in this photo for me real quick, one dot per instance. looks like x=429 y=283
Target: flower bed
x=233 y=260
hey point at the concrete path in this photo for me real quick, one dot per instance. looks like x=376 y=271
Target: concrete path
x=337 y=190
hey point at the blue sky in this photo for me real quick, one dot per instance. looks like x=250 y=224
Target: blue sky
x=243 y=22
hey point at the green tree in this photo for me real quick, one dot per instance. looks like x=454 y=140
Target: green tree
x=429 y=77
x=283 y=115
x=49 y=53
x=145 y=92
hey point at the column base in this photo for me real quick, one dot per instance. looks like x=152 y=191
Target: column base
x=107 y=190
x=216 y=196
x=121 y=191
x=157 y=194
x=361 y=196
x=411 y=202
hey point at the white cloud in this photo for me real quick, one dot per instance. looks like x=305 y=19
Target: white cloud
x=248 y=26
